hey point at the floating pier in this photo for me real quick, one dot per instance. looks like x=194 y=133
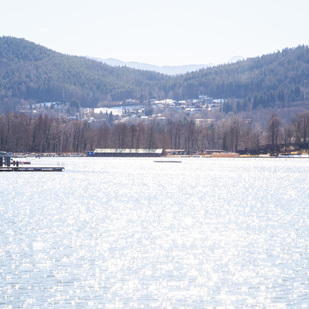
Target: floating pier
x=8 y=165
x=31 y=169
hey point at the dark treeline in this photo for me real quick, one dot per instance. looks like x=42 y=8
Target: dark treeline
x=275 y=80
x=32 y=73
x=21 y=133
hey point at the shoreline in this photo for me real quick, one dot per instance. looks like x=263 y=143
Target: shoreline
x=222 y=155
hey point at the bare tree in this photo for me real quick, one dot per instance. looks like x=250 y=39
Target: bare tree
x=256 y=137
x=288 y=133
x=303 y=127
x=273 y=132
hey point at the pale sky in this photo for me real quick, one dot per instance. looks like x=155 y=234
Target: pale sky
x=160 y=32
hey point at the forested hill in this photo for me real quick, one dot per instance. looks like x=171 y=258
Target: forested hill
x=31 y=72
x=278 y=79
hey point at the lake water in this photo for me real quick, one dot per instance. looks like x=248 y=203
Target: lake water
x=131 y=233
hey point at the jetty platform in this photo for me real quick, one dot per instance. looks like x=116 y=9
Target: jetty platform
x=7 y=164
x=31 y=169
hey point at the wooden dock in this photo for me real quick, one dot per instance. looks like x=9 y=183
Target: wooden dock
x=31 y=169
x=7 y=164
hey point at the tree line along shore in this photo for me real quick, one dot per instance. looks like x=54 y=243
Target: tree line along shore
x=22 y=134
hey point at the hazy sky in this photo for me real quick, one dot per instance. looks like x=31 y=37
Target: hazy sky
x=161 y=32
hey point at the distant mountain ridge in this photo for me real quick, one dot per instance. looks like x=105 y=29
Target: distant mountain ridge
x=168 y=70
x=236 y=59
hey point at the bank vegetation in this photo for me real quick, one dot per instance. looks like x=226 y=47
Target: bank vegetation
x=21 y=133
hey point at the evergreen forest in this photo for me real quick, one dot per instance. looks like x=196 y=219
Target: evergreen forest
x=31 y=72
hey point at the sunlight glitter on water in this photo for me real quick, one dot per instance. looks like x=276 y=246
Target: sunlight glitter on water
x=124 y=233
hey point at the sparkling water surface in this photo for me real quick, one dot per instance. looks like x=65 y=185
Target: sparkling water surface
x=132 y=233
